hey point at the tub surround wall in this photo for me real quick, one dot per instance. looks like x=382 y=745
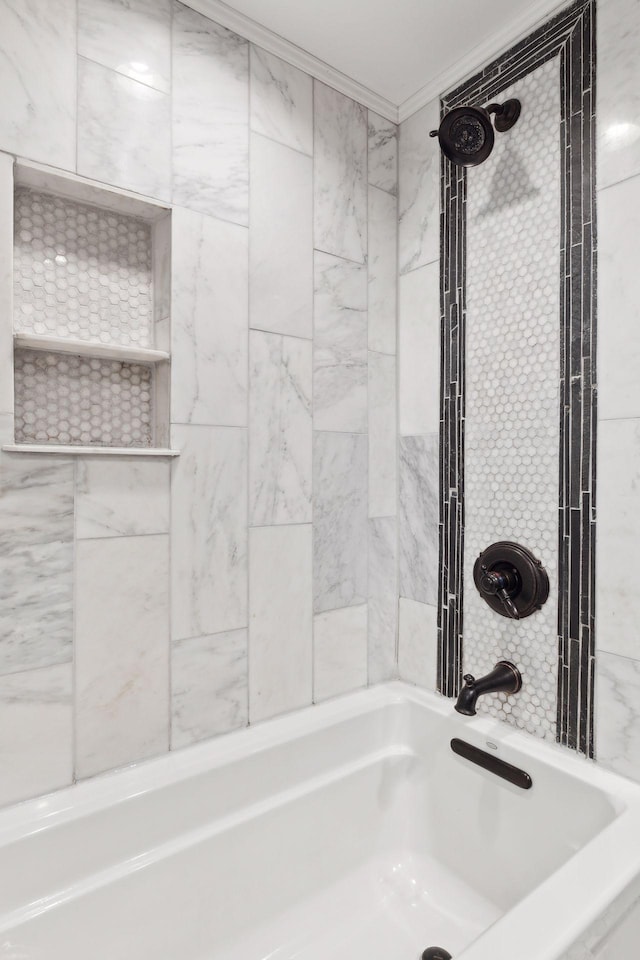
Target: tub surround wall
x=147 y=605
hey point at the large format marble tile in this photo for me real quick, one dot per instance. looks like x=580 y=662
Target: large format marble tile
x=382 y=435
x=340 y=520
x=340 y=345
x=618 y=537
x=121 y=651
x=280 y=430
x=130 y=36
x=339 y=651
x=38 y=77
x=619 y=300
x=418 y=518
x=210 y=117
x=340 y=174
x=208 y=531
x=419 y=190
x=418 y=644
x=383 y=599
x=209 y=324
x=36 y=732
x=281 y=101
x=618 y=91
x=419 y=351
x=209 y=693
x=383 y=153
x=281 y=239
x=382 y=268
x=124 y=131
x=618 y=714
x=280 y=623
x=121 y=497
x=6 y=286
x=36 y=562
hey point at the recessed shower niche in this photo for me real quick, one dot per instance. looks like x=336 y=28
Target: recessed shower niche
x=91 y=325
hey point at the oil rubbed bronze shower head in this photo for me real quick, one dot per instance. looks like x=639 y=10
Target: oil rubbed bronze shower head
x=466 y=133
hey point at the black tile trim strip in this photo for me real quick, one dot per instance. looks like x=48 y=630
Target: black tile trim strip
x=570 y=36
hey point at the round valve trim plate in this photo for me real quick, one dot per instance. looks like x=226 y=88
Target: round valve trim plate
x=527 y=583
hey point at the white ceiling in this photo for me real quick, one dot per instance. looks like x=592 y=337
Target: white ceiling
x=393 y=48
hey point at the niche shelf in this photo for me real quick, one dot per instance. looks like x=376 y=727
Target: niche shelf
x=91 y=295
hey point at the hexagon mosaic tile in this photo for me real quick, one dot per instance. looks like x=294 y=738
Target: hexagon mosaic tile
x=81 y=401
x=81 y=272
x=512 y=371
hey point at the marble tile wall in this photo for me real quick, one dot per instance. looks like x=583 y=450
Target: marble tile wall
x=257 y=572
x=618 y=526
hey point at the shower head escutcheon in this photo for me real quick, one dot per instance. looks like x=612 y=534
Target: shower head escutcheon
x=466 y=133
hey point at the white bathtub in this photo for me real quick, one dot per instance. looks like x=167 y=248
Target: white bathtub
x=347 y=831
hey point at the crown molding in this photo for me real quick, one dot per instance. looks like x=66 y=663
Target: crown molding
x=253 y=31
x=480 y=55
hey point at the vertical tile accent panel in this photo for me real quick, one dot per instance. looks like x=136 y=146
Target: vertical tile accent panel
x=281 y=239
x=382 y=267
x=280 y=624
x=36 y=732
x=38 y=75
x=340 y=345
x=340 y=174
x=417 y=644
x=383 y=599
x=209 y=279
x=339 y=651
x=210 y=117
x=121 y=497
x=281 y=101
x=208 y=531
x=618 y=738
x=122 y=651
x=124 y=131
x=6 y=284
x=209 y=692
x=418 y=518
x=280 y=430
x=419 y=351
x=340 y=520
x=618 y=92
x=383 y=153
x=36 y=562
x=382 y=435
x=418 y=171
x=133 y=38
x=511 y=420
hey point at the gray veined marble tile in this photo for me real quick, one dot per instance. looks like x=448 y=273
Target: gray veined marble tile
x=36 y=562
x=618 y=91
x=208 y=686
x=618 y=714
x=339 y=651
x=123 y=131
x=36 y=732
x=210 y=117
x=280 y=623
x=418 y=518
x=130 y=36
x=121 y=497
x=38 y=75
x=208 y=531
x=209 y=328
x=383 y=153
x=281 y=239
x=6 y=286
x=382 y=268
x=340 y=520
x=419 y=351
x=280 y=430
x=340 y=174
x=281 y=101
x=383 y=599
x=418 y=644
x=382 y=435
x=340 y=345
x=419 y=190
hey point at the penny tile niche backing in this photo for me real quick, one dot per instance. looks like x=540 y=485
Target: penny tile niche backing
x=90 y=337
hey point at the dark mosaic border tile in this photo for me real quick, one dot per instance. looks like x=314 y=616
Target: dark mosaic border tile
x=570 y=36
